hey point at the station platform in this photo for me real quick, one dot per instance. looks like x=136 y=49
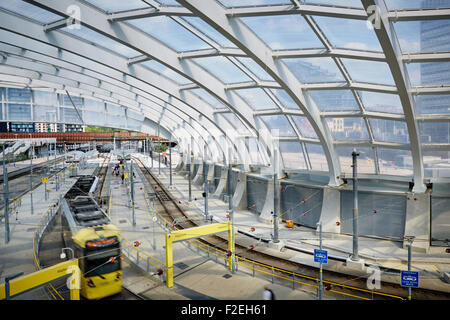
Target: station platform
x=25 y=164
x=17 y=255
x=299 y=242
x=196 y=277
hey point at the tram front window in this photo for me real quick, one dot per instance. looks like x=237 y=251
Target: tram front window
x=102 y=261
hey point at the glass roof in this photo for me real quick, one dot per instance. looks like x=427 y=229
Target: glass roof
x=323 y=80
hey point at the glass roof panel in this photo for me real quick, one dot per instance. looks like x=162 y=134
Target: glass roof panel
x=168 y=2
x=395 y=162
x=349 y=33
x=208 y=98
x=284 y=99
x=334 y=100
x=389 y=130
x=30 y=11
x=170 y=32
x=305 y=127
x=316 y=157
x=254 y=150
x=433 y=104
x=278 y=125
x=292 y=155
x=348 y=128
x=429 y=73
x=284 y=31
x=223 y=69
x=235 y=121
x=343 y=3
x=423 y=36
x=366 y=163
x=434 y=132
x=99 y=40
x=255 y=68
x=165 y=71
x=117 y=6
x=245 y=3
x=256 y=98
x=369 y=71
x=417 y=4
x=381 y=102
x=315 y=70
x=436 y=163
x=209 y=31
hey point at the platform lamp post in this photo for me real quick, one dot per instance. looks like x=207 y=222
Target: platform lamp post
x=6 y=197
x=152 y=149
x=170 y=163
x=132 y=193
x=189 y=172
x=230 y=206
x=159 y=150
x=205 y=181
x=31 y=173
x=319 y=224
x=154 y=219
x=409 y=245
x=275 y=196
x=355 y=256
x=55 y=154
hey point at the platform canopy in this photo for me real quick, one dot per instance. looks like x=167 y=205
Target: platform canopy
x=314 y=78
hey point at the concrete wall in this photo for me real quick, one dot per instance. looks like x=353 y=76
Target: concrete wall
x=331 y=213
x=240 y=191
x=418 y=220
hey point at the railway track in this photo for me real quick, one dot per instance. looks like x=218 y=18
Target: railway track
x=101 y=173
x=336 y=284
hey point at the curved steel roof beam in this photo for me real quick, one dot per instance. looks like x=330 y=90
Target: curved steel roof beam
x=391 y=47
x=45 y=74
x=129 y=36
x=147 y=45
x=93 y=61
x=238 y=33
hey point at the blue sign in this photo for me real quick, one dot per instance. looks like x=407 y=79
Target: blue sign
x=410 y=279
x=320 y=256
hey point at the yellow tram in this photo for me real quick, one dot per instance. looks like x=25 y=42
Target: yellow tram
x=95 y=240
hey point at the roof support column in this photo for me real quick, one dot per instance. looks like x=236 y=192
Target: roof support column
x=378 y=15
x=238 y=33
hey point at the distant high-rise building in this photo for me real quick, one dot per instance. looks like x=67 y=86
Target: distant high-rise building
x=22 y=127
x=74 y=128
x=41 y=127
